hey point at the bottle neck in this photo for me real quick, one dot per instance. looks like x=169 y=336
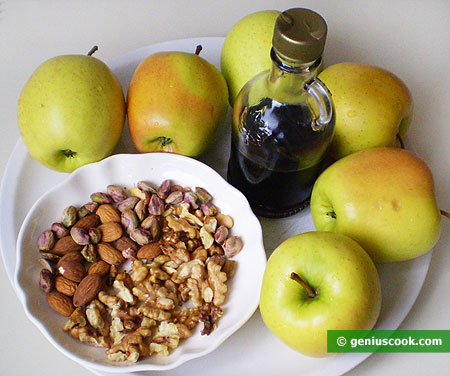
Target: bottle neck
x=289 y=77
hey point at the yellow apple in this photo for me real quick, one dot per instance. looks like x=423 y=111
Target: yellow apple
x=246 y=50
x=71 y=112
x=335 y=287
x=372 y=107
x=384 y=199
x=176 y=101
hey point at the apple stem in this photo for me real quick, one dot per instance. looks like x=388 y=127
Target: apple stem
x=198 y=49
x=92 y=50
x=445 y=214
x=165 y=140
x=309 y=290
x=400 y=140
x=69 y=153
x=332 y=214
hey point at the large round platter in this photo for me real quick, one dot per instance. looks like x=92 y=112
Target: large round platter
x=253 y=350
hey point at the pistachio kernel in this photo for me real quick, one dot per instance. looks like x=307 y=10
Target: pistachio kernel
x=69 y=216
x=46 y=281
x=141 y=236
x=129 y=220
x=203 y=195
x=128 y=203
x=46 y=240
x=101 y=198
x=117 y=193
x=95 y=235
x=89 y=253
x=79 y=235
x=59 y=230
x=156 y=205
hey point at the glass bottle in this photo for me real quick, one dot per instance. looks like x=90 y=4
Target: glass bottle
x=283 y=120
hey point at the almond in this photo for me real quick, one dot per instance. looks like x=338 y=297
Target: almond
x=72 y=270
x=88 y=289
x=65 y=286
x=125 y=243
x=110 y=231
x=88 y=222
x=100 y=267
x=149 y=251
x=108 y=213
x=60 y=303
x=72 y=256
x=109 y=254
x=66 y=245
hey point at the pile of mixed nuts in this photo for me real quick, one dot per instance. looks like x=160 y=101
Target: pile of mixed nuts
x=179 y=246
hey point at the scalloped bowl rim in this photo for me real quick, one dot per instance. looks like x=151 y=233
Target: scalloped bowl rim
x=258 y=257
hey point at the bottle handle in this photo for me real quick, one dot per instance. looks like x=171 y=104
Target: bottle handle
x=322 y=96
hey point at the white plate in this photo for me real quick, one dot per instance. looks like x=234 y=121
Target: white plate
x=253 y=349
x=126 y=170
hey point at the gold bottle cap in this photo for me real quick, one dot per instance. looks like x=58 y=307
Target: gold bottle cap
x=299 y=35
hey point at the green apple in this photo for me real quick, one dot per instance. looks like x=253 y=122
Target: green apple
x=176 y=101
x=246 y=50
x=384 y=199
x=319 y=281
x=372 y=107
x=71 y=112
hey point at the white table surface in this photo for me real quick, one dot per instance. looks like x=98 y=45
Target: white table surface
x=410 y=38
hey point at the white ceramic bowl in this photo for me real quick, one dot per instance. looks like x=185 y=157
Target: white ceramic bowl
x=127 y=170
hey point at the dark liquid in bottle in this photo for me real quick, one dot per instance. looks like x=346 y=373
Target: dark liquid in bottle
x=276 y=157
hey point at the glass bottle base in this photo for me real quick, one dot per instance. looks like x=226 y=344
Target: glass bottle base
x=274 y=213
x=278 y=195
